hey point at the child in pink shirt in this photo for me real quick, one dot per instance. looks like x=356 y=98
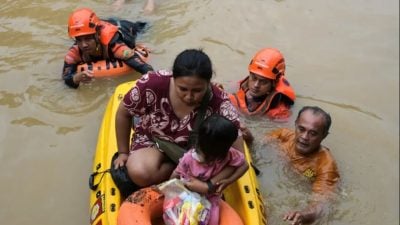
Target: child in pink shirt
x=212 y=154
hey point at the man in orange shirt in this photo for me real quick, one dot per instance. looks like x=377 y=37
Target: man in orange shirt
x=304 y=151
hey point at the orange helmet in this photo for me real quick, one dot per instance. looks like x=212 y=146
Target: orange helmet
x=269 y=63
x=82 y=21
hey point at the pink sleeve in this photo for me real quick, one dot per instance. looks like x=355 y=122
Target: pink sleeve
x=236 y=158
x=183 y=166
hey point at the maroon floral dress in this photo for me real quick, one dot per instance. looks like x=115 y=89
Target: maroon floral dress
x=149 y=100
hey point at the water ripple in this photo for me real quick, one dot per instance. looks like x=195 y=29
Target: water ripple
x=344 y=106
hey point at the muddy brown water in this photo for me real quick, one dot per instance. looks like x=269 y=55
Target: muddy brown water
x=341 y=55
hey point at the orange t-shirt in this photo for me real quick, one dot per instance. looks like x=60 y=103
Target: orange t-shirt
x=319 y=167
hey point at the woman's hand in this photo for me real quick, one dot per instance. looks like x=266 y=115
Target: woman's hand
x=120 y=160
x=247 y=135
x=85 y=76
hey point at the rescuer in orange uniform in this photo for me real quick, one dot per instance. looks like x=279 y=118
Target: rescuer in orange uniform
x=265 y=91
x=97 y=39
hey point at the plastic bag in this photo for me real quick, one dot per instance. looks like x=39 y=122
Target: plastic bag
x=182 y=206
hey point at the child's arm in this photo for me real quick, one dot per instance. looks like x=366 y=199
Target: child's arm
x=196 y=185
x=226 y=179
x=219 y=182
x=174 y=175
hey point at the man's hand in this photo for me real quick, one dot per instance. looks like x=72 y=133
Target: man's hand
x=306 y=216
x=296 y=218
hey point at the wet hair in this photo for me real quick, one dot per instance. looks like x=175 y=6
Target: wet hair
x=318 y=111
x=216 y=136
x=193 y=62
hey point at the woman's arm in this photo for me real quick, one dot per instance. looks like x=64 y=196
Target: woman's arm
x=174 y=175
x=123 y=125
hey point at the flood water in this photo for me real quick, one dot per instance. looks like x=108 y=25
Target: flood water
x=341 y=55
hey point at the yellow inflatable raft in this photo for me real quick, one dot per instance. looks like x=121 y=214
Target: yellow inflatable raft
x=105 y=201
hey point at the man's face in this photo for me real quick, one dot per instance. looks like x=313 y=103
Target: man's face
x=259 y=86
x=86 y=43
x=309 y=132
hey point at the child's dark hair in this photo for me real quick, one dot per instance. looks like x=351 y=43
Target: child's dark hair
x=216 y=136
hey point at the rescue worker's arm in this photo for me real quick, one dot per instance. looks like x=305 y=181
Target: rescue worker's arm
x=131 y=58
x=68 y=74
x=72 y=78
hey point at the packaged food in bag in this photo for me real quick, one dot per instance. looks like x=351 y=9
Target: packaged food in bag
x=182 y=206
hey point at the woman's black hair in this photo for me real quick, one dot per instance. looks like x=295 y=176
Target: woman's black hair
x=193 y=62
x=216 y=136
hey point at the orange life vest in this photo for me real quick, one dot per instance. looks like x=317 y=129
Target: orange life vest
x=283 y=87
x=107 y=32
